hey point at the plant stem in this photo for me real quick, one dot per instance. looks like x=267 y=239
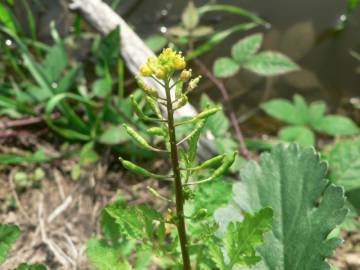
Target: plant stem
x=178 y=185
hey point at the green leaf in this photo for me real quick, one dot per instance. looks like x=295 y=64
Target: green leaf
x=337 y=125
x=101 y=87
x=299 y=134
x=316 y=113
x=242 y=239
x=225 y=67
x=301 y=108
x=344 y=161
x=306 y=207
x=55 y=62
x=7 y=19
x=109 y=48
x=230 y=9
x=217 y=38
x=283 y=110
x=114 y=135
x=246 y=48
x=218 y=124
x=156 y=42
x=270 y=64
x=190 y=17
x=38 y=157
x=25 y=266
x=9 y=234
x=105 y=257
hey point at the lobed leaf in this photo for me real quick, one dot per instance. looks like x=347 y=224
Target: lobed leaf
x=306 y=207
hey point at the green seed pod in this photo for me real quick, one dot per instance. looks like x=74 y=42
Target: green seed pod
x=139 y=170
x=139 y=139
x=154 y=106
x=210 y=163
x=178 y=89
x=158 y=131
x=147 y=89
x=228 y=161
x=137 y=108
x=207 y=113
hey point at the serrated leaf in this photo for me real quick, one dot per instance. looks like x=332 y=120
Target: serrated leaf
x=306 y=208
x=105 y=257
x=344 y=161
x=242 y=239
x=225 y=67
x=337 y=125
x=190 y=17
x=25 y=266
x=299 y=134
x=246 y=48
x=282 y=109
x=270 y=64
x=8 y=236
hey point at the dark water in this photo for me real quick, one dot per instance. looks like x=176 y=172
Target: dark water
x=301 y=29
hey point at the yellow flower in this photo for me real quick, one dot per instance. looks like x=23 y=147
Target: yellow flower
x=145 y=71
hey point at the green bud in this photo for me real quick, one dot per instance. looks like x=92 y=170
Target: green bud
x=139 y=139
x=210 y=163
x=147 y=89
x=180 y=102
x=207 y=113
x=139 y=170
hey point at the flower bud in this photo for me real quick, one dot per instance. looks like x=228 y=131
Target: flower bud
x=185 y=75
x=145 y=71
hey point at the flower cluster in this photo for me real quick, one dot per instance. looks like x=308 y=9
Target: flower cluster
x=164 y=65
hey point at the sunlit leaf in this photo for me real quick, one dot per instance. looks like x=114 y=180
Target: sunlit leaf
x=225 y=67
x=299 y=134
x=190 y=16
x=246 y=47
x=8 y=236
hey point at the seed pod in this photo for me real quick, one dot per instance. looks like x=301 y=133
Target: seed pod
x=228 y=161
x=212 y=162
x=178 y=89
x=137 y=108
x=156 y=131
x=147 y=89
x=208 y=112
x=139 y=139
x=139 y=170
x=154 y=106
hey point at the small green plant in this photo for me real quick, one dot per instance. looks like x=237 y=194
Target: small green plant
x=167 y=236
x=9 y=234
x=305 y=118
x=244 y=54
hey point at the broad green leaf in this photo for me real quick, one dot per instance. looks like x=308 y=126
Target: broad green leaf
x=337 y=125
x=114 y=135
x=105 y=257
x=283 y=110
x=101 y=87
x=344 y=162
x=246 y=48
x=55 y=62
x=190 y=17
x=156 y=42
x=7 y=19
x=9 y=234
x=25 y=266
x=217 y=38
x=299 y=134
x=242 y=239
x=270 y=64
x=316 y=113
x=306 y=207
x=225 y=67
x=301 y=108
